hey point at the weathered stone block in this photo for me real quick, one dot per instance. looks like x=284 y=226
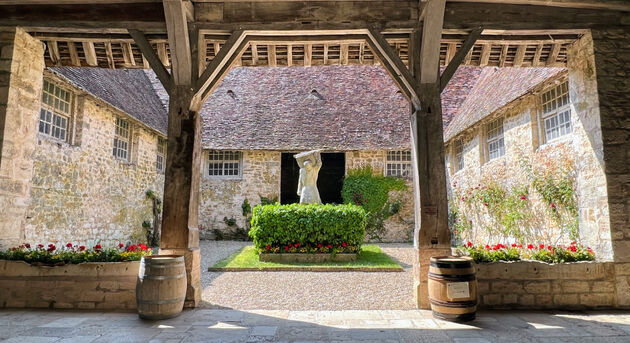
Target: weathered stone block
x=574 y=286
x=537 y=287
x=597 y=299
x=566 y=299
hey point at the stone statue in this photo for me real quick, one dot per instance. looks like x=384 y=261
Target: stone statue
x=310 y=163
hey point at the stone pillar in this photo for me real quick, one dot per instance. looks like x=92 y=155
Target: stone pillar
x=180 y=232
x=21 y=79
x=612 y=62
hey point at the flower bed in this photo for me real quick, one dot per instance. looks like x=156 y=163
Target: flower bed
x=308 y=229
x=73 y=277
x=516 y=252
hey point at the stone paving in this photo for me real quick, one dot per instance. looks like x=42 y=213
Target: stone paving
x=205 y=325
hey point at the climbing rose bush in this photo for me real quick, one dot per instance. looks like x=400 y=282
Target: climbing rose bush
x=74 y=253
x=515 y=252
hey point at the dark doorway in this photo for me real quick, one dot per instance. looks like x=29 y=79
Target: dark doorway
x=329 y=181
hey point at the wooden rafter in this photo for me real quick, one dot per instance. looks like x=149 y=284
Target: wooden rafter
x=152 y=58
x=74 y=55
x=178 y=39
x=459 y=57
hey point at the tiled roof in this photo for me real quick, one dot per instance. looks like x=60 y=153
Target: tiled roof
x=495 y=88
x=297 y=108
x=129 y=90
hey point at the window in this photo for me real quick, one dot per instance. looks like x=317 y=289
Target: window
x=398 y=163
x=496 y=147
x=458 y=151
x=224 y=163
x=556 y=112
x=161 y=154
x=121 y=140
x=54 y=115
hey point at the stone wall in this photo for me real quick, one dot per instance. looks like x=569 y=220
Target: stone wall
x=80 y=192
x=223 y=197
x=104 y=286
x=21 y=67
x=537 y=285
x=612 y=61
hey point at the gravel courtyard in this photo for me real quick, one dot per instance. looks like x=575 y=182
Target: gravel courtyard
x=306 y=290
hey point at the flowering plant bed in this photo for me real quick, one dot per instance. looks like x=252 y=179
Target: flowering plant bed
x=74 y=254
x=307 y=258
x=516 y=252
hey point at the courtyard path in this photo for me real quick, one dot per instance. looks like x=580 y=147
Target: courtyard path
x=225 y=326
x=306 y=290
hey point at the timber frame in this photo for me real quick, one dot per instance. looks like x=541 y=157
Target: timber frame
x=200 y=40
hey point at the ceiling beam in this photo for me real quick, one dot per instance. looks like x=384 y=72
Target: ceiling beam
x=430 y=46
x=459 y=57
x=617 y=5
x=178 y=41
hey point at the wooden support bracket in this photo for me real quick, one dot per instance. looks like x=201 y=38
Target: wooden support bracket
x=459 y=57
x=154 y=61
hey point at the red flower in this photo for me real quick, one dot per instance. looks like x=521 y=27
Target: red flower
x=131 y=247
x=573 y=243
x=120 y=245
x=69 y=245
x=542 y=246
x=268 y=247
x=469 y=244
x=549 y=248
x=344 y=244
x=530 y=246
x=296 y=245
x=572 y=248
x=40 y=245
x=27 y=245
x=97 y=247
x=319 y=245
x=81 y=248
x=329 y=246
x=553 y=206
x=51 y=247
x=513 y=245
x=485 y=204
x=487 y=247
x=142 y=247
x=523 y=197
x=520 y=245
x=286 y=248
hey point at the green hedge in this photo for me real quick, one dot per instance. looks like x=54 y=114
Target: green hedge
x=278 y=226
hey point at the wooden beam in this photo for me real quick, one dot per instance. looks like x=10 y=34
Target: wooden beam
x=361 y=53
x=325 y=53
x=229 y=61
x=230 y=48
x=128 y=55
x=110 y=56
x=431 y=36
x=537 y=54
x=145 y=63
x=343 y=57
x=459 y=57
x=271 y=55
x=178 y=41
x=308 y=54
x=503 y=57
x=451 y=48
x=254 y=48
x=74 y=55
x=163 y=55
x=520 y=55
x=485 y=55
x=90 y=54
x=468 y=57
x=53 y=52
x=553 y=55
x=154 y=61
x=394 y=65
x=617 y=5
x=290 y=54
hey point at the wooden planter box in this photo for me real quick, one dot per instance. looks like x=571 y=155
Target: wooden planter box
x=539 y=285
x=94 y=285
x=307 y=258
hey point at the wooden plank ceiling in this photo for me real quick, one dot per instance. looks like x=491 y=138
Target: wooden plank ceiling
x=119 y=51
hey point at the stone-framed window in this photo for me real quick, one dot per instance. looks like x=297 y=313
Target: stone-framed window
x=122 y=139
x=398 y=163
x=495 y=143
x=458 y=153
x=160 y=157
x=55 y=112
x=556 y=112
x=224 y=164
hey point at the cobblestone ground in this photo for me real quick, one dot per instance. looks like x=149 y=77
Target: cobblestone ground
x=306 y=290
x=206 y=325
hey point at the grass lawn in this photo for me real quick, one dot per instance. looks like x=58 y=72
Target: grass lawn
x=370 y=259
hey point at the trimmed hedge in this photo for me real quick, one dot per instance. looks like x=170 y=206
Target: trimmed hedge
x=278 y=225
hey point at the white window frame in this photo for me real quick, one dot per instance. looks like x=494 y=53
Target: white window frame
x=56 y=112
x=398 y=163
x=122 y=139
x=224 y=164
x=458 y=155
x=160 y=155
x=495 y=140
x=556 y=112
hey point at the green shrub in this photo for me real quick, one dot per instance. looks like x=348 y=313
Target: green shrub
x=363 y=188
x=311 y=227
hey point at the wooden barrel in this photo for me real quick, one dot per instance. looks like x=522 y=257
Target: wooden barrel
x=161 y=286
x=453 y=288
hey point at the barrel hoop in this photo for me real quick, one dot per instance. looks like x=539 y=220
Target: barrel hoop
x=463 y=265
x=161 y=302
x=448 y=277
x=464 y=317
x=162 y=265
x=457 y=304
x=163 y=277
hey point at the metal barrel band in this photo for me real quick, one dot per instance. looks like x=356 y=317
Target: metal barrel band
x=452 y=265
x=458 y=304
x=163 y=277
x=161 y=302
x=163 y=265
x=464 y=317
x=448 y=277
